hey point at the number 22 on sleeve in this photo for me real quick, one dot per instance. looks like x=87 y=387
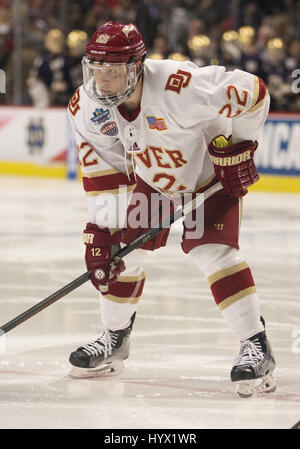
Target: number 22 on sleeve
x=235 y=97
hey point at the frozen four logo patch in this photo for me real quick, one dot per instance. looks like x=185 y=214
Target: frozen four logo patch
x=109 y=129
x=100 y=116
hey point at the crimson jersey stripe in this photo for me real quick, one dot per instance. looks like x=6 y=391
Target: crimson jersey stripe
x=231 y=285
x=127 y=289
x=107 y=182
x=261 y=90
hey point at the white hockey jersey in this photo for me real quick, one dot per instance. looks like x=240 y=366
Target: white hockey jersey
x=183 y=107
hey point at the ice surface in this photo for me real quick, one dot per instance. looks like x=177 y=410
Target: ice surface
x=182 y=351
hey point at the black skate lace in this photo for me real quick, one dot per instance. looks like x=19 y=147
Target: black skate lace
x=250 y=353
x=103 y=345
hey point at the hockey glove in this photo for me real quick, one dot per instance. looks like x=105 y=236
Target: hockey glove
x=101 y=246
x=233 y=164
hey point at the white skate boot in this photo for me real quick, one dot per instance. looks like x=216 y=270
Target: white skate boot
x=103 y=357
x=254 y=366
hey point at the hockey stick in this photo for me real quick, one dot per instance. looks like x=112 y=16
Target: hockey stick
x=195 y=203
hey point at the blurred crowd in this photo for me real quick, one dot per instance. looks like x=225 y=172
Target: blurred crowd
x=260 y=37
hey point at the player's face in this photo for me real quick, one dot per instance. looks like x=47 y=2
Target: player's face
x=110 y=78
x=110 y=84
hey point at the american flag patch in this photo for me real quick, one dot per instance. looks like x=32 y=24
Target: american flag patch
x=156 y=123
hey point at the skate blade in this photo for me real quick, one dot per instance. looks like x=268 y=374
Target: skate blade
x=256 y=387
x=103 y=371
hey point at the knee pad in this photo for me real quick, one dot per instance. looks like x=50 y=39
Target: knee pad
x=213 y=257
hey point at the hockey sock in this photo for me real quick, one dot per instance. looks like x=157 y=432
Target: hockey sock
x=235 y=294
x=121 y=302
x=232 y=286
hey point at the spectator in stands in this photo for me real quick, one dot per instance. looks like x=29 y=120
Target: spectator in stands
x=57 y=74
x=275 y=74
x=160 y=49
x=168 y=26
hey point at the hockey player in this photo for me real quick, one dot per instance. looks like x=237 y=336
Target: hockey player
x=173 y=128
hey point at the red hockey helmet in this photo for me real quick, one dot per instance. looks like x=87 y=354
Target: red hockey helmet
x=113 y=52
x=115 y=42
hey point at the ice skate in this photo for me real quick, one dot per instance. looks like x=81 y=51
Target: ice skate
x=254 y=366
x=103 y=357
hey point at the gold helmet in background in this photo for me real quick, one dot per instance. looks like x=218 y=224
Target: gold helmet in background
x=76 y=42
x=54 y=41
x=202 y=50
x=275 y=51
x=246 y=35
x=177 y=56
x=200 y=45
x=155 y=56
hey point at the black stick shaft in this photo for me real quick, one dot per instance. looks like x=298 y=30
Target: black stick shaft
x=74 y=284
x=45 y=303
x=86 y=276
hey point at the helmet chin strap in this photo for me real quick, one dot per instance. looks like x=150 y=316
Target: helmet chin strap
x=140 y=75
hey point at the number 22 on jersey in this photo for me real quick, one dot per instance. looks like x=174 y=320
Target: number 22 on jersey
x=235 y=97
